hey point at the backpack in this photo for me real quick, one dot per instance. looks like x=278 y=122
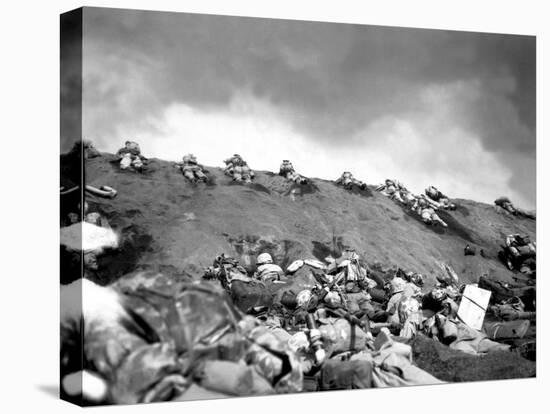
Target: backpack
x=346 y=375
x=248 y=296
x=205 y=326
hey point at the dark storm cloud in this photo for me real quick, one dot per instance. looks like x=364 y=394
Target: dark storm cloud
x=330 y=81
x=70 y=78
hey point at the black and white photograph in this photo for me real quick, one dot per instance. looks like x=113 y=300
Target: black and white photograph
x=254 y=206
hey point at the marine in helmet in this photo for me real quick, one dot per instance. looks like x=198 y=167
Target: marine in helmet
x=347 y=180
x=287 y=170
x=191 y=169
x=396 y=191
x=402 y=296
x=237 y=168
x=130 y=157
x=267 y=271
x=427 y=211
x=439 y=198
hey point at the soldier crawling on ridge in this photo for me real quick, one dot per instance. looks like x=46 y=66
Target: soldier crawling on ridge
x=192 y=170
x=130 y=157
x=238 y=169
x=439 y=198
x=347 y=180
x=396 y=191
x=287 y=170
x=425 y=208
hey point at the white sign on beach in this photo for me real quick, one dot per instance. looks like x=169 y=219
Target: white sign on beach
x=473 y=306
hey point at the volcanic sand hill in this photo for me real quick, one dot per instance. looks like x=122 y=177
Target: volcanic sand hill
x=170 y=225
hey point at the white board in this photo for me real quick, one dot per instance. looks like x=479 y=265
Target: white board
x=88 y=237
x=473 y=306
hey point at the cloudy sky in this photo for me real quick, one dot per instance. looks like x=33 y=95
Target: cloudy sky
x=452 y=109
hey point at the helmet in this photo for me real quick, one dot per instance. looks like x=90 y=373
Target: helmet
x=438 y=294
x=303 y=298
x=264 y=258
x=417 y=279
x=407 y=307
x=333 y=299
x=397 y=285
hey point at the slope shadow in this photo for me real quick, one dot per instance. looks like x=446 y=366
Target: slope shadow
x=116 y=263
x=253 y=186
x=302 y=189
x=454 y=227
x=334 y=248
x=462 y=210
x=134 y=241
x=367 y=192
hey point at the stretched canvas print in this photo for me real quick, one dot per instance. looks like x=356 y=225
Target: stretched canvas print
x=259 y=206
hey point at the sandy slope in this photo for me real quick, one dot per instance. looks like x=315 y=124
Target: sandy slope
x=172 y=225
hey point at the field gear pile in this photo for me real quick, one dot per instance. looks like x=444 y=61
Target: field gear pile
x=238 y=169
x=512 y=309
x=191 y=169
x=348 y=270
x=521 y=246
x=203 y=339
x=130 y=157
x=519 y=253
x=287 y=170
x=348 y=181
